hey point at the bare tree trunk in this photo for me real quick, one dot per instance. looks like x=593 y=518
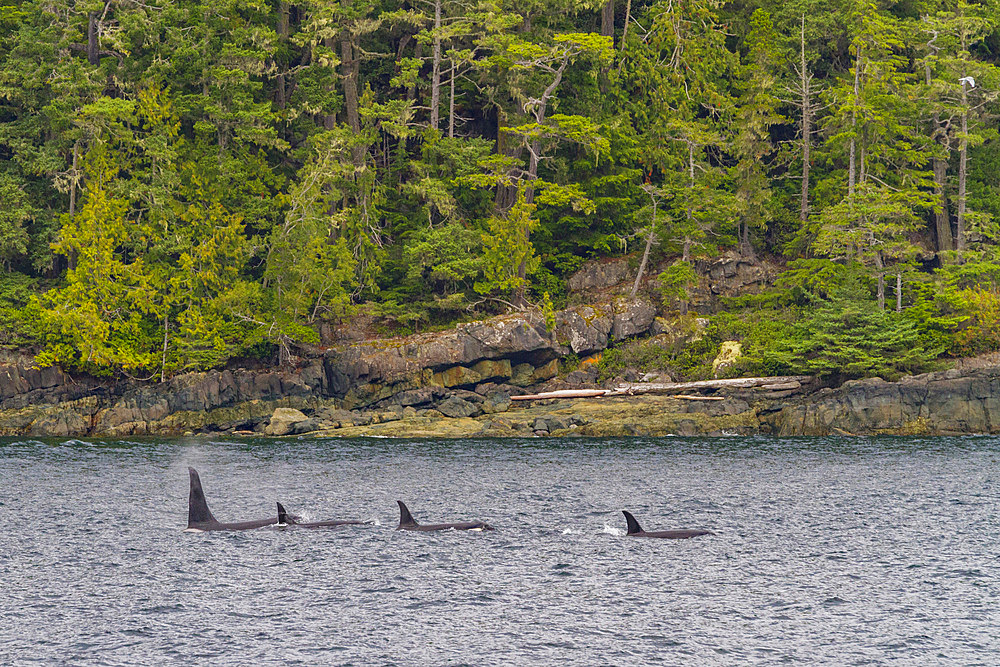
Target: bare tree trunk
x=506 y=195
x=350 y=69
x=608 y=19
x=746 y=249
x=942 y=220
x=93 y=52
x=436 y=67
x=899 y=292
x=350 y=73
x=535 y=149
x=281 y=95
x=851 y=171
x=451 y=102
x=963 y=165
x=645 y=253
x=628 y=19
x=806 y=101
x=880 y=265
x=539 y=113
x=329 y=120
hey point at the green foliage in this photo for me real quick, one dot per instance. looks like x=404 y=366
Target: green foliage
x=506 y=246
x=676 y=280
x=643 y=356
x=548 y=312
x=17 y=325
x=15 y=212
x=761 y=334
x=983 y=334
x=756 y=114
x=848 y=336
x=222 y=179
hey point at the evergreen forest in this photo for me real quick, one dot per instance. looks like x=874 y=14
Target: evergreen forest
x=187 y=183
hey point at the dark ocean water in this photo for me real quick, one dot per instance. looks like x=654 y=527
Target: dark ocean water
x=828 y=551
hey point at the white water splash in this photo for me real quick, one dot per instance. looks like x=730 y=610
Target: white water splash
x=612 y=530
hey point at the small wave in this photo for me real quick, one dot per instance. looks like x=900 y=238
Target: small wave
x=571 y=531
x=612 y=530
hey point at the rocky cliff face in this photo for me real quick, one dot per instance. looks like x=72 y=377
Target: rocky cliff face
x=470 y=364
x=944 y=403
x=459 y=382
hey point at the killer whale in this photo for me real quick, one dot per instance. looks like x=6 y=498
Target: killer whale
x=290 y=520
x=407 y=522
x=200 y=517
x=635 y=530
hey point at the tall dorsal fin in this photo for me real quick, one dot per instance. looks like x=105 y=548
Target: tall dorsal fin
x=283 y=515
x=198 y=511
x=633 y=525
x=405 y=518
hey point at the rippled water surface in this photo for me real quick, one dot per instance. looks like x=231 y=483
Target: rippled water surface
x=836 y=551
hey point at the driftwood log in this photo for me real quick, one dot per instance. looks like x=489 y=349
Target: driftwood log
x=785 y=382
x=634 y=388
x=563 y=393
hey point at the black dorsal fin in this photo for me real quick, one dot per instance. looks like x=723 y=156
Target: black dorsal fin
x=405 y=518
x=198 y=511
x=633 y=525
x=283 y=515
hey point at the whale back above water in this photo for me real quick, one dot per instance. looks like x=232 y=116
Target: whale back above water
x=284 y=518
x=201 y=518
x=407 y=522
x=635 y=530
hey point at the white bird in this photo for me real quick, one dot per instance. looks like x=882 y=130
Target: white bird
x=969 y=80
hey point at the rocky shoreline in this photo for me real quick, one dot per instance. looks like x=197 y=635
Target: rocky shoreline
x=458 y=383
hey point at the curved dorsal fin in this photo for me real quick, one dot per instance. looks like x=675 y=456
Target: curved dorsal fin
x=405 y=518
x=633 y=525
x=198 y=511
x=282 y=515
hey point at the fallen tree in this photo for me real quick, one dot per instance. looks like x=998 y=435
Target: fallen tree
x=633 y=388
x=769 y=383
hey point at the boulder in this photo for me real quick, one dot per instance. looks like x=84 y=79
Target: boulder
x=599 y=275
x=456 y=407
x=521 y=375
x=465 y=395
x=60 y=422
x=284 y=420
x=582 y=376
x=493 y=370
x=422 y=396
x=496 y=402
x=508 y=336
x=631 y=318
x=335 y=418
x=543 y=373
x=305 y=426
x=584 y=329
x=456 y=376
